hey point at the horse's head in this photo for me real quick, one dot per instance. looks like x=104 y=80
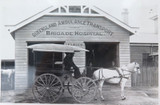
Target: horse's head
x=131 y=67
x=137 y=68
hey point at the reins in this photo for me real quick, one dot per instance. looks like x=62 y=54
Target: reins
x=120 y=76
x=128 y=71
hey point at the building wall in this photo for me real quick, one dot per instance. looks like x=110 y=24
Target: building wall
x=21 y=64
x=140 y=53
x=28 y=33
x=137 y=51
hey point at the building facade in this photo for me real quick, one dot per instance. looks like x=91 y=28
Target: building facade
x=106 y=38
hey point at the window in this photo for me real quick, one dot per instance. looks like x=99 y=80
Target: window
x=86 y=10
x=7 y=64
x=55 y=11
x=63 y=10
x=75 y=9
x=93 y=12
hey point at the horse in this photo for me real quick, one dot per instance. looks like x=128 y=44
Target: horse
x=117 y=76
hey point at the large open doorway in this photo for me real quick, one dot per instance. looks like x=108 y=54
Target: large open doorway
x=102 y=54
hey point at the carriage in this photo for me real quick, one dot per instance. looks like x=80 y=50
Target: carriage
x=50 y=85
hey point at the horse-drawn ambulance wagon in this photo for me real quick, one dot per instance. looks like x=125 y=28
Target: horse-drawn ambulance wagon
x=49 y=85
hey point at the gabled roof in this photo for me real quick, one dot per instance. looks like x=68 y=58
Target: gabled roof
x=68 y=11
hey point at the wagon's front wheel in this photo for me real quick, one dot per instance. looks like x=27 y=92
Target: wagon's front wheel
x=84 y=89
x=47 y=88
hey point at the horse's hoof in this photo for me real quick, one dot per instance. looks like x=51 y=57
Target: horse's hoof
x=95 y=98
x=123 y=98
x=102 y=99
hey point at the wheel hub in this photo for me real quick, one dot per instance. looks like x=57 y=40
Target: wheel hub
x=84 y=90
x=47 y=88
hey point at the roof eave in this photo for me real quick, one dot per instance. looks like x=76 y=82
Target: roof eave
x=13 y=28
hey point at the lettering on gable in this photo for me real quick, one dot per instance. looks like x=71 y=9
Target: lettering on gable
x=46 y=28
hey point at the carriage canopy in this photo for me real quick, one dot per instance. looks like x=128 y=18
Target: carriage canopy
x=55 y=48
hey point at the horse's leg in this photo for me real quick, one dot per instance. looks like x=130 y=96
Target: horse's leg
x=122 y=84
x=97 y=92
x=100 y=85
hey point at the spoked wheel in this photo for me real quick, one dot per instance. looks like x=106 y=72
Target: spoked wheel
x=69 y=88
x=47 y=88
x=84 y=89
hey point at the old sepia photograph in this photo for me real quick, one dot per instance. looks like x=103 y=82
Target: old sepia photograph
x=79 y=52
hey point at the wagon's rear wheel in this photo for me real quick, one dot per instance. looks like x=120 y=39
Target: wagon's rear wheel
x=47 y=88
x=84 y=89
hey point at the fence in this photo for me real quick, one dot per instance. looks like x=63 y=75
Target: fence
x=149 y=73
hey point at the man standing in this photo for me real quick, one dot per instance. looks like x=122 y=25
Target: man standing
x=68 y=63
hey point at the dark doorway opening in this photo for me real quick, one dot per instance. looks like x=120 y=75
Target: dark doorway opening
x=102 y=55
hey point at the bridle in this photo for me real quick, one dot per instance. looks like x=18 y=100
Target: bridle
x=137 y=68
x=128 y=71
x=131 y=71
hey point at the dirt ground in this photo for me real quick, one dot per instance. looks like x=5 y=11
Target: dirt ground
x=135 y=96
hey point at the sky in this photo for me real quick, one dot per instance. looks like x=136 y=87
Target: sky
x=15 y=11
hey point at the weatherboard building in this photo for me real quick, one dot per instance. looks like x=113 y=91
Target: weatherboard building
x=106 y=38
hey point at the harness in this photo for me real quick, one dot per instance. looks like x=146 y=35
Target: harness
x=101 y=71
x=121 y=76
x=120 y=72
